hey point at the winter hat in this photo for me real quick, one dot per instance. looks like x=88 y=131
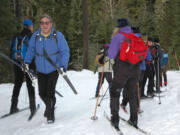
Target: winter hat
x=150 y=39
x=122 y=22
x=135 y=29
x=27 y=22
x=156 y=39
x=144 y=36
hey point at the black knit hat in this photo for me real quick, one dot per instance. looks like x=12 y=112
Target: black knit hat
x=135 y=29
x=122 y=22
x=150 y=39
x=156 y=39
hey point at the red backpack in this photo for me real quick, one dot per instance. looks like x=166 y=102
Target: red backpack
x=133 y=49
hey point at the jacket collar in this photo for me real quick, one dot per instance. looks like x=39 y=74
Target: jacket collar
x=51 y=33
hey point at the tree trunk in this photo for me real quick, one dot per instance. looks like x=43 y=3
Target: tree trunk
x=28 y=9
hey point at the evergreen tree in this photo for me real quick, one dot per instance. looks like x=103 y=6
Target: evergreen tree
x=74 y=31
x=155 y=17
x=8 y=28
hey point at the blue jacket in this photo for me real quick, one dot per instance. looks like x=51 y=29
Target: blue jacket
x=164 y=60
x=148 y=58
x=58 y=51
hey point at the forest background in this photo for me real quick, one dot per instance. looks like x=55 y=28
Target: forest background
x=88 y=24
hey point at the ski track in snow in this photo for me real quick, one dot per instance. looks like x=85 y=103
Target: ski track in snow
x=73 y=112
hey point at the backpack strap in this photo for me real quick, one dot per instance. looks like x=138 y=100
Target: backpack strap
x=18 y=45
x=48 y=54
x=54 y=36
x=37 y=36
x=127 y=39
x=125 y=34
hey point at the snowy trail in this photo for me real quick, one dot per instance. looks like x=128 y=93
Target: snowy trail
x=73 y=112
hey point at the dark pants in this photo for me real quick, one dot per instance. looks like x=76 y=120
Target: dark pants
x=157 y=72
x=149 y=74
x=125 y=99
x=141 y=82
x=127 y=75
x=19 y=78
x=108 y=76
x=47 y=84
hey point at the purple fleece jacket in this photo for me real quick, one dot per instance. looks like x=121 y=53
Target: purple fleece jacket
x=115 y=46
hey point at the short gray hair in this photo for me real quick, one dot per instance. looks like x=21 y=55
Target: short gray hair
x=46 y=16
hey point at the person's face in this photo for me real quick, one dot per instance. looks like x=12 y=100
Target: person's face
x=150 y=43
x=31 y=28
x=45 y=25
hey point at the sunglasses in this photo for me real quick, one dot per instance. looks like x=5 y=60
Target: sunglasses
x=46 y=23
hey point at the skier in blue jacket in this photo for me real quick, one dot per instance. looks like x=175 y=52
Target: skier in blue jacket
x=18 y=49
x=55 y=44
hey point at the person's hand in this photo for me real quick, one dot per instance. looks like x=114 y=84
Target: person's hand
x=25 y=67
x=63 y=69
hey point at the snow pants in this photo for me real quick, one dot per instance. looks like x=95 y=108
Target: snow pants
x=149 y=74
x=47 y=84
x=108 y=76
x=125 y=74
x=19 y=78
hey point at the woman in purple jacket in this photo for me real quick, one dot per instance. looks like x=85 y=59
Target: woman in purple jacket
x=124 y=74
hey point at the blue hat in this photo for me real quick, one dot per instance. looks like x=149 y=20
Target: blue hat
x=122 y=22
x=27 y=22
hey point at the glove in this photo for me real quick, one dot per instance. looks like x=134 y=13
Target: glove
x=148 y=62
x=25 y=67
x=63 y=69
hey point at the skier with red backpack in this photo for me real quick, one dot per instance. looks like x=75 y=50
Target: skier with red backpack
x=128 y=51
x=125 y=100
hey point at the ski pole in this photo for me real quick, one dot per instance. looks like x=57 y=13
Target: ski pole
x=30 y=73
x=103 y=97
x=94 y=117
x=59 y=94
x=158 y=81
x=45 y=54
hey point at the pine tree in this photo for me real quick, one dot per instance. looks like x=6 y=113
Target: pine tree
x=8 y=28
x=74 y=31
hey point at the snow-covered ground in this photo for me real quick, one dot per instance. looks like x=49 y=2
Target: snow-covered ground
x=73 y=112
